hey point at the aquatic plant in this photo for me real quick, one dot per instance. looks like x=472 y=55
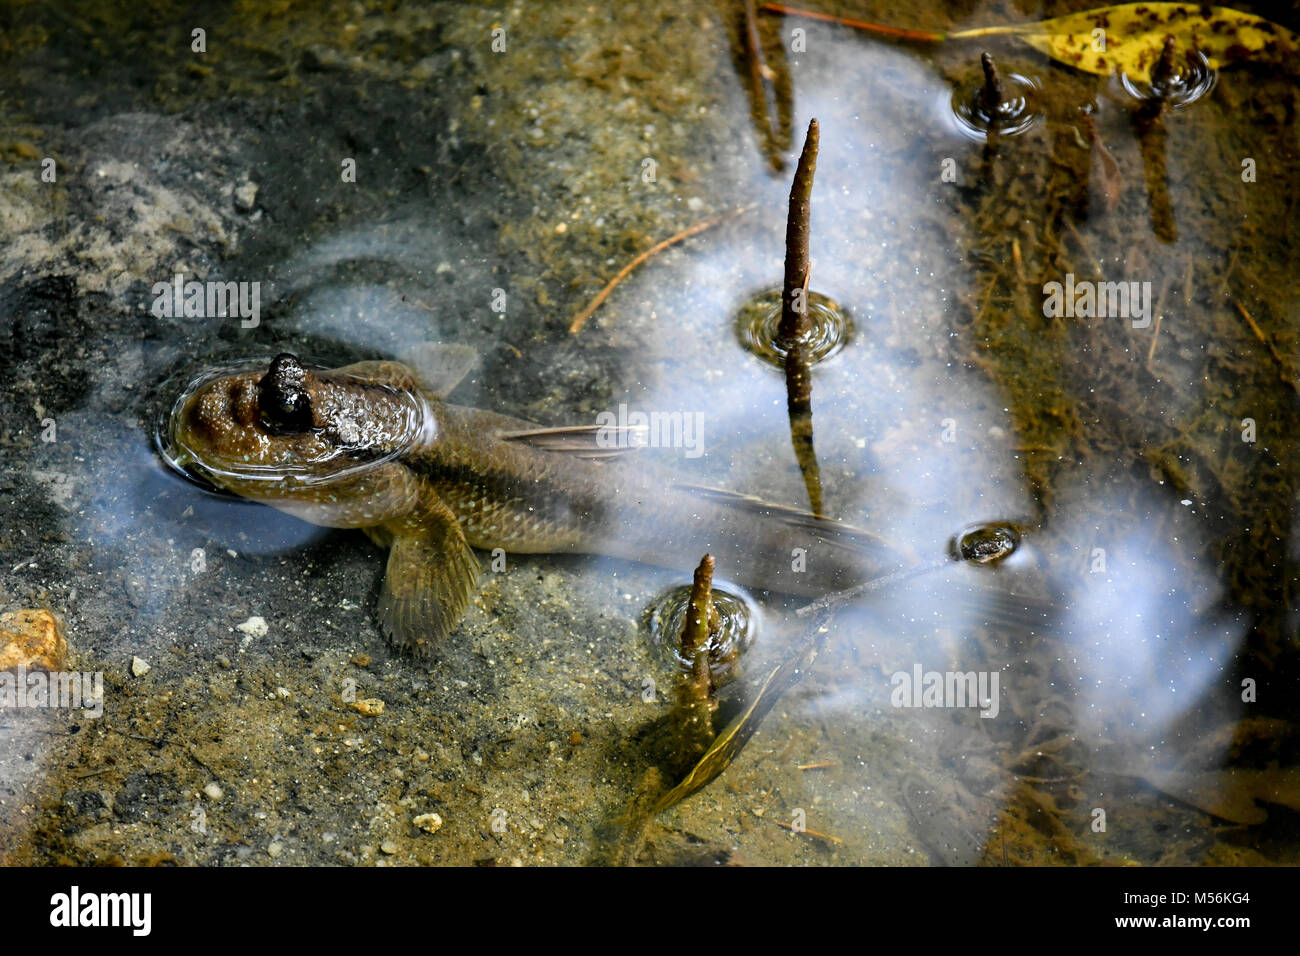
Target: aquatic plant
x=792 y=333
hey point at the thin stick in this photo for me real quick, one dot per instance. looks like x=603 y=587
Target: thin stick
x=1155 y=337
x=695 y=629
x=695 y=703
x=798 y=400
x=792 y=333
x=812 y=833
x=1160 y=312
x=921 y=35
x=1283 y=369
x=991 y=94
x=581 y=319
x=1259 y=333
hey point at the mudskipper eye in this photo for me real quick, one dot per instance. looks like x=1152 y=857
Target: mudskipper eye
x=282 y=396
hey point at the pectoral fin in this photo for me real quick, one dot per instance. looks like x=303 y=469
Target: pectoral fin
x=381 y=372
x=430 y=579
x=441 y=367
x=436 y=368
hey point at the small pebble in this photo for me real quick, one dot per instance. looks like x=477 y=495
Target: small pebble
x=370 y=706
x=275 y=849
x=246 y=196
x=428 y=822
x=389 y=847
x=140 y=667
x=254 y=627
x=214 y=791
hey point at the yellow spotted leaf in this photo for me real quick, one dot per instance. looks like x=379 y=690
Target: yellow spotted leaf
x=1129 y=37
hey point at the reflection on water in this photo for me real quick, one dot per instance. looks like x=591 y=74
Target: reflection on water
x=1113 y=660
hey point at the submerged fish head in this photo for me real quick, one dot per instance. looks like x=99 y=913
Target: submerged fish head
x=281 y=432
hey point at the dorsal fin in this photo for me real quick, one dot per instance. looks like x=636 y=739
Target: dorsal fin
x=583 y=441
x=826 y=528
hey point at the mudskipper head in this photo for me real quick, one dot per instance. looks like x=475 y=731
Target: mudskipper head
x=279 y=429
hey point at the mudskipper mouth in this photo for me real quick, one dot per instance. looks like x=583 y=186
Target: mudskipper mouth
x=165 y=421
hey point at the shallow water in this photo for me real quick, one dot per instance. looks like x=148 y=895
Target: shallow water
x=496 y=193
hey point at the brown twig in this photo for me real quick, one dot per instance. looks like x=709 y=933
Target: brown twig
x=581 y=318
x=701 y=619
x=792 y=333
x=1259 y=333
x=991 y=93
x=1165 y=72
x=1155 y=338
x=798 y=400
x=1284 y=369
x=1160 y=311
x=808 y=832
x=881 y=28
x=696 y=703
x=798 y=226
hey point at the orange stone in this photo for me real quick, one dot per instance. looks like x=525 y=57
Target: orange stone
x=32 y=639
